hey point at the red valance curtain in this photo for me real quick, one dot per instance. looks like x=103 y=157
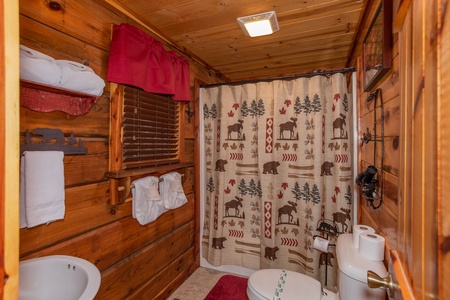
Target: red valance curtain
x=139 y=60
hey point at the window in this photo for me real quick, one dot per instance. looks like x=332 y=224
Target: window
x=144 y=129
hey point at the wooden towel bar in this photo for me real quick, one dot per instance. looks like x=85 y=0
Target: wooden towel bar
x=121 y=188
x=120 y=181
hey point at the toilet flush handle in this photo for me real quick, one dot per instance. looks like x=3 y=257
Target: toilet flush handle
x=374 y=281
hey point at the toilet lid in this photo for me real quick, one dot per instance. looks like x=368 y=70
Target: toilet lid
x=284 y=284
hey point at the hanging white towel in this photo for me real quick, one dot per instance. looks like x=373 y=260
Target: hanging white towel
x=147 y=205
x=80 y=78
x=23 y=213
x=171 y=190
x=42 y=187
x=38 y=67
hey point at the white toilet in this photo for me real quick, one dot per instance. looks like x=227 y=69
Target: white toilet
x=270 y=284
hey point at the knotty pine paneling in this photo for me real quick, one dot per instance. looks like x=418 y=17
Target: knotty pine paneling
x=390 y=192
x=135 y=261
x=385 y=222
x=100 y=245
x=417 y=152
x=180 y=267
x=409 y=216
x=78 y=169
x=59 y=45
x=307 y=30
x=391 y=117
x=189 y=130
x=292 y=13
x=93 y=28
x=85 y=209
x=121 y=279
x=385 y=218
x=91 y=128
x=93 y=124
x=391 y=161
x=189 y=150
x=424 y=163
x=254 y=68
x=444 y=162
x=332 y=39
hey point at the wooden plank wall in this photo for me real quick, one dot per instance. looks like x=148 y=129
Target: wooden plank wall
x=418 y=226
x=136 y=262
x=409 y=216
x=444 y=156
x=383 y=219
x=9 y=161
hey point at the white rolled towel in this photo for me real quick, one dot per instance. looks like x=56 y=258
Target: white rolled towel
x=147 y=205
x=38 y=67
x=171 y=190
x=80 y=78
x=42 y=187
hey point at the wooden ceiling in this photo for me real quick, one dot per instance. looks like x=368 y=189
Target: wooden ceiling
x=314 y=34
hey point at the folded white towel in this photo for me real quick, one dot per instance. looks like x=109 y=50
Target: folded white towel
x=42 y=187
x=25 y=51
x=38 y=67
x=171 y=190
x=81 y=78
x=147 y=205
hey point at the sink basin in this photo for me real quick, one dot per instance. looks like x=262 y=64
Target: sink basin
x=57 y=277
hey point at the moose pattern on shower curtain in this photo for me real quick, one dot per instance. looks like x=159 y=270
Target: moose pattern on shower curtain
x=278 y=173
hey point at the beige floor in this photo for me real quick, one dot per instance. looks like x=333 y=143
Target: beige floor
x=198 y=285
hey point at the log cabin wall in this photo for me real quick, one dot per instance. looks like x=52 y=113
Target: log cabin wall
x=383 y=219
x=136 y=262
x=410 y=215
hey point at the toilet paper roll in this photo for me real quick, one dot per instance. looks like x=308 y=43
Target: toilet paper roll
x=371 y=246
x=358 y=230
x=321 y=244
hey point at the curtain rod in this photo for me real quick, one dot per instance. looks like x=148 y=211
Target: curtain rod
x=345 y=70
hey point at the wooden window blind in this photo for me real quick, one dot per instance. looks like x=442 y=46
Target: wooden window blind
x=150 y=129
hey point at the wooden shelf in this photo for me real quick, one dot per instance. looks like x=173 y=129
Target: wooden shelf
x=46 y=98
x=149 y=170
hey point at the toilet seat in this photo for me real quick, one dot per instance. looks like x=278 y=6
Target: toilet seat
x=269 y=284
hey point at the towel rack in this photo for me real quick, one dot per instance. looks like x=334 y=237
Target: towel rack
x=120 y=181
x=53 y=139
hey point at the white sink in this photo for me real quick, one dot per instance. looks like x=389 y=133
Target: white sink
x=58 y=277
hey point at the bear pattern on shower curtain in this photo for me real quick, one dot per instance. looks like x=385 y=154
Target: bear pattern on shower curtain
x=278 y=160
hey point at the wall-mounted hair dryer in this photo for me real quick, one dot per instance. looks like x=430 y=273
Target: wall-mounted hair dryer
x=368 y=185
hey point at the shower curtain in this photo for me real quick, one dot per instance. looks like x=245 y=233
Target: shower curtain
x=278 y=173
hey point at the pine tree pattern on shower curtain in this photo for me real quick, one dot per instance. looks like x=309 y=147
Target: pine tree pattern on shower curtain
x=278 y=170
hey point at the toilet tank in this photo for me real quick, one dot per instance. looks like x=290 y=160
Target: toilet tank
x=352 y=276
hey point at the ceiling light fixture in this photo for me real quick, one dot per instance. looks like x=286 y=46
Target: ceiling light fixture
x=259 y=24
